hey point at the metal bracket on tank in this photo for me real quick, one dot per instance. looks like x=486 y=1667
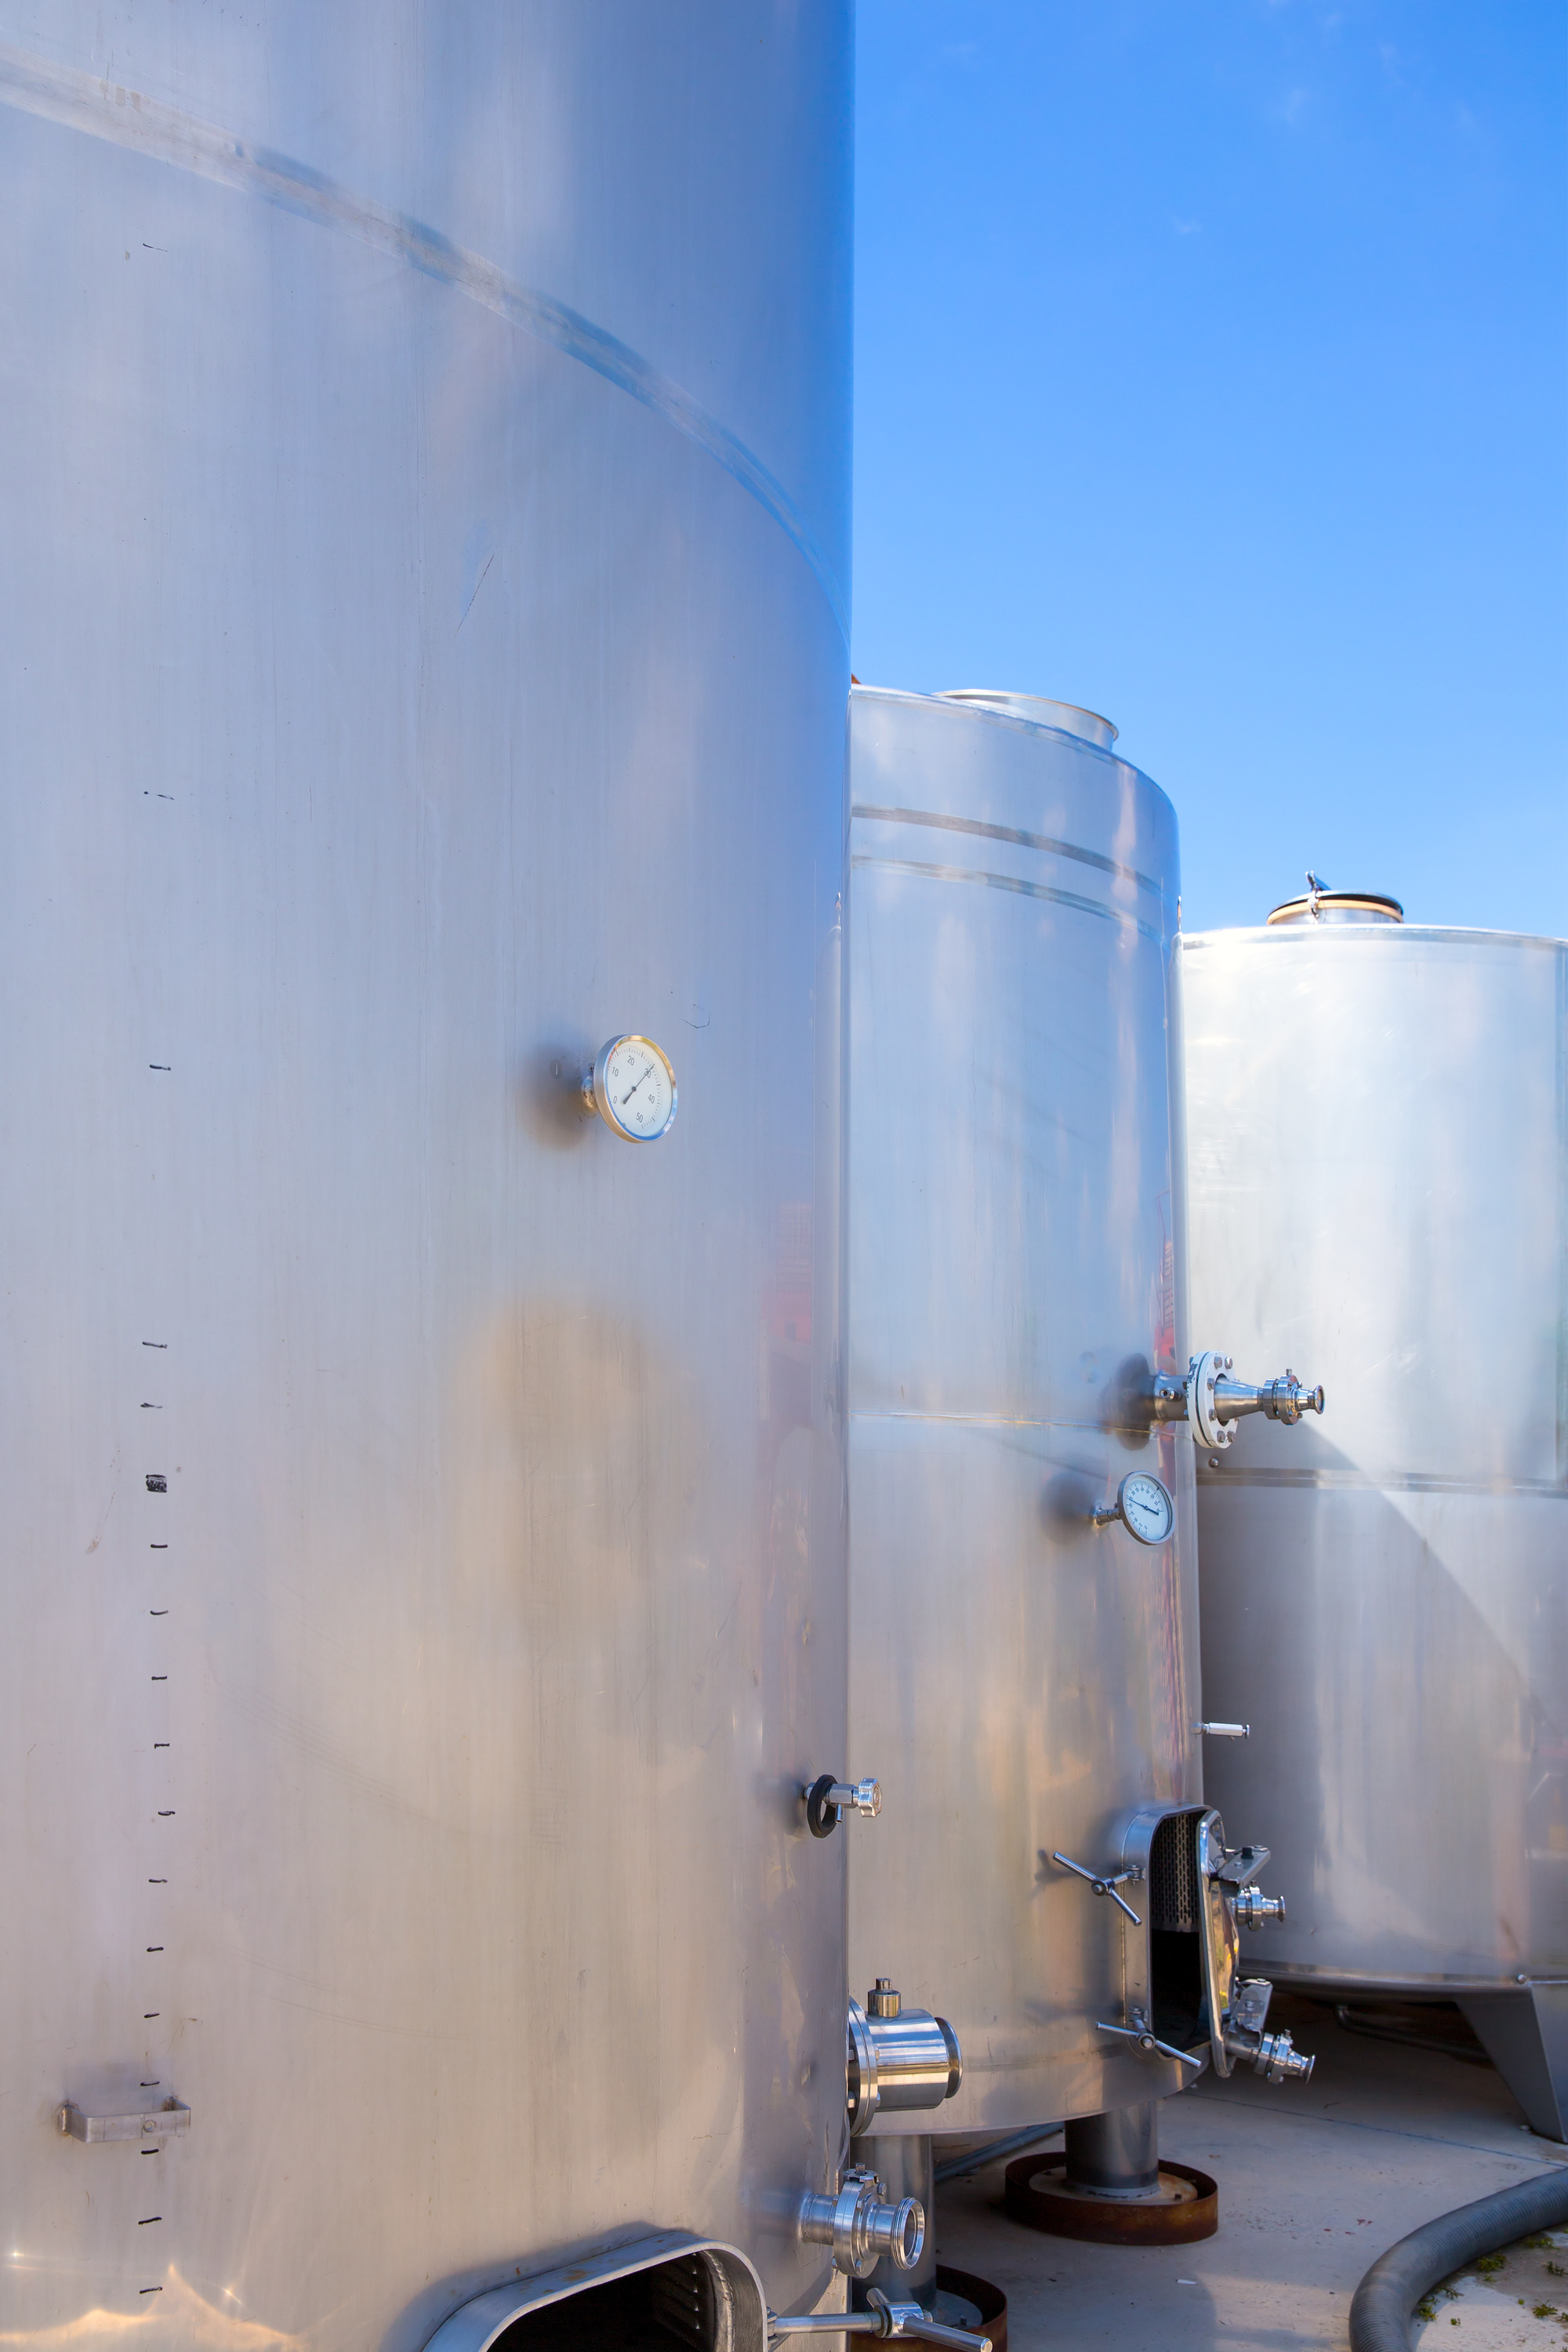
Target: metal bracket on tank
x=167 y=2121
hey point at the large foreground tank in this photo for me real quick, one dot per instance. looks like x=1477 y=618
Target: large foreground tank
x=1380 y=1179
x=1025 y=1674
x=423 y=530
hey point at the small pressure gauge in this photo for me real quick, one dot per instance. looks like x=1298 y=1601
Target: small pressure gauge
x=1144 y=1507
x=632 y=1088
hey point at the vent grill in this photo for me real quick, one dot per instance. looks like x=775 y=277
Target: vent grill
x=691 y=2304
x=1173 y=1874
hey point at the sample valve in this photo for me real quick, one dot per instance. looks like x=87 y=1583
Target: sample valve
x=898 y=2059
x=829 y=1800
x=1273 y=2055
x=861 y=2225
x=1211 y=1401
x=1254 y=1909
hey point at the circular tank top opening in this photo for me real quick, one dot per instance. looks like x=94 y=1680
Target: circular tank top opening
x=1040 y=711
x=1339 y=907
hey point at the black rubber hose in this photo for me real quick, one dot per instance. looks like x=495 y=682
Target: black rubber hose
x=1380 y=2312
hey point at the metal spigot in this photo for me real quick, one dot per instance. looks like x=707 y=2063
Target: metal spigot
x=1255 y=1909
x=861 y=2225
x=882 y=2318
x=1212 y=1400
x=1273 y=2055
x=827 y=1800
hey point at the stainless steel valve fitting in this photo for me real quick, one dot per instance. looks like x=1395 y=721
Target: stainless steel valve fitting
x=862 y=2225
x=898 y=2059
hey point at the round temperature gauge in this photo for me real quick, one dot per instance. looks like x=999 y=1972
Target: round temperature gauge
x=1144 y=1507
x=632 y=1088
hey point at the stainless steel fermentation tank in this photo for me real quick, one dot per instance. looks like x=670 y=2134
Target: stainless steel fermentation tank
x=425 y=538
x=1376 y=1118
x=1024 y=1674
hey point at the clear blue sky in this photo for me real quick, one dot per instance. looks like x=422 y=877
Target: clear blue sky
x=1212 y=370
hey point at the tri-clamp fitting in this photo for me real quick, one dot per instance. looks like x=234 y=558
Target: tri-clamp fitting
x=1212 y=1400
x=861 y=2225
x=827 y=1800
x=1255 y=1909
x=1273 y=2055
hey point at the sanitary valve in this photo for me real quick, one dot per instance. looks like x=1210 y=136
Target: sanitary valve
x=898 y=2059
x=1255 y=1909
x=861 y=2225
x=827 y=1800
x=881 y=2317
x=1273 y=2055
x=1212 y=1400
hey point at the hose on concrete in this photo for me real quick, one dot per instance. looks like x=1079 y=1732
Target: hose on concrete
x=1380 y=2312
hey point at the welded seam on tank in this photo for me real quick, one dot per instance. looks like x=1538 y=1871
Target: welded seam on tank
x=104 y=110
x=1010 y=832
x=1009 y=882
x=1361 y=1481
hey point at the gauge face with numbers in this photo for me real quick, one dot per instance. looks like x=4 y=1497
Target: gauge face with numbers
x=634 y=1088
x=1145 y=1507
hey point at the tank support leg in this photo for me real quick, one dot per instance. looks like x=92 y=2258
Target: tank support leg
x=1525 y=2035
x=1117 y=2154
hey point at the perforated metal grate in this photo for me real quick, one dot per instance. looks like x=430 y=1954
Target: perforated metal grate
x=1173 y=1874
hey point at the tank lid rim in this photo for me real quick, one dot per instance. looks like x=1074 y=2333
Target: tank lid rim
x=1349 y=902
x=1004 y=699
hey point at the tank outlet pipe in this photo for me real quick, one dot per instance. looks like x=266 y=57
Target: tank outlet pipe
x=882 y=2318
x=861 y=2225
x=1209 y=1398
x=899 y=2060
x=1381 y=2309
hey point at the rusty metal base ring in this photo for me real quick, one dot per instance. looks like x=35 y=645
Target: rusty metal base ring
x=1189 y=2212
x=989 y=2302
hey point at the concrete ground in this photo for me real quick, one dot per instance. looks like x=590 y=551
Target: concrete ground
x=1314 y=2184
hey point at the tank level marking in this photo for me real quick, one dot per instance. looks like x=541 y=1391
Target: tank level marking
x=148 y=2290
x=155 y=1343
x=157 y=1612
x=149 y=2221
x=166 y=1066
x=85 y=103
x=156 y=1482
x=158 y=1547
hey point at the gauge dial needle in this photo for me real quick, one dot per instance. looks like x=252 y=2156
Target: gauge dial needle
x=633 y=1087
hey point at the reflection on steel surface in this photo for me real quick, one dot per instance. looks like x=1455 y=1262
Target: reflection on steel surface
x=1023 y=1680
x=395 y=710
x=1380 y=1182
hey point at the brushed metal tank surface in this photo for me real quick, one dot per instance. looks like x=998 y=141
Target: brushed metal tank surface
x=1021 y=1680
x=424 y=534
x=1379 y=1192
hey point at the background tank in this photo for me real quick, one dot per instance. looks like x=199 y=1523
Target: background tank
x=423 y=530
x=1376 y=1124
x=1022 y=1681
